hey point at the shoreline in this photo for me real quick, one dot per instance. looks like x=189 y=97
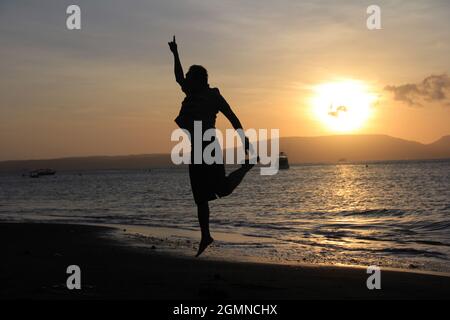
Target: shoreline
x=169 y=241
x=36 y=256
x=151 y=235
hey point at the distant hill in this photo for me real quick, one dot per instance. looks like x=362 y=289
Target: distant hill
x=361 y=148
x=440 y=146
x=299 y=149
x=143 y=161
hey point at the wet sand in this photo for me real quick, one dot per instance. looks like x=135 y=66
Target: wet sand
x=35 y=258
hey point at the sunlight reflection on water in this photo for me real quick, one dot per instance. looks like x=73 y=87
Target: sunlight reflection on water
x=392 y=214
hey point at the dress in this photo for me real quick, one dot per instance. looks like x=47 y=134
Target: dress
x=208 y=181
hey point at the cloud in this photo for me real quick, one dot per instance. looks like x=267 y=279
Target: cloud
x=433 y=89
x=336 y=112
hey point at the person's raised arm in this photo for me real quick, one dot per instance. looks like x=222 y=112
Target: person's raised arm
x=178 y=69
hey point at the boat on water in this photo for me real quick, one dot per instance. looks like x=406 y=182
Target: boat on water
x=41 y=172
x=283 y=161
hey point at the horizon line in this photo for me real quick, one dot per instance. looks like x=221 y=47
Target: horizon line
x=168 y=152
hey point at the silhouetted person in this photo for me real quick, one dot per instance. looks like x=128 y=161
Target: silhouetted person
x=202 y=103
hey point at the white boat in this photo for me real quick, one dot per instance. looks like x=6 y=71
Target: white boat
x=283 y=161
x=41 y=172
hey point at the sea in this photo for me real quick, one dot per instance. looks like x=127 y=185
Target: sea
x=388 y=214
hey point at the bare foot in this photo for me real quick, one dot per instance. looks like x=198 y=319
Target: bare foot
x=203 y=245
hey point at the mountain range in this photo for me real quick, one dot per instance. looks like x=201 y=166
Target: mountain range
x=324 y=149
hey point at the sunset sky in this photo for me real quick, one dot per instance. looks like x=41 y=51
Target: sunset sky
x=109 y=88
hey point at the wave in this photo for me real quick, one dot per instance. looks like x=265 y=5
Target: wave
x=349 y=213
x=412 y=251
x=435 y=226
x=373 y=213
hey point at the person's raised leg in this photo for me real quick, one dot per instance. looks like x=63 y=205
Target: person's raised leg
x=203 y=219
x=235 y=178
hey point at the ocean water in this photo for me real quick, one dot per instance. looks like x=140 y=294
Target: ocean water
x=394 y=214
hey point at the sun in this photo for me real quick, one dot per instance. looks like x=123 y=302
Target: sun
x=342 y=106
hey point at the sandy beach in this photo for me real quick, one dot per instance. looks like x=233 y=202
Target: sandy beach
x=35 y=258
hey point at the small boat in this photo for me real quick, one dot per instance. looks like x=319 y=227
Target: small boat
x=283 y=161
x=41 y=172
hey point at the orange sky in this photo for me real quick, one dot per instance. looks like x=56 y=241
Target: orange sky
x=109 y=88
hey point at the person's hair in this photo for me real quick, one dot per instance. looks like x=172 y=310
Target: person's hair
x=198 y=75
